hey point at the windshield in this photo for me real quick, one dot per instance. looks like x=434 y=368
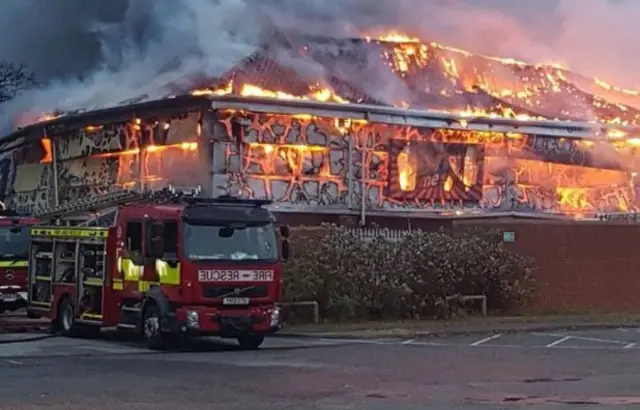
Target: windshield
x=214 y=242
x=14 y=242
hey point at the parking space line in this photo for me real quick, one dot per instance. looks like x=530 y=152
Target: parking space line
x=629 y=346
x=13 y=361
x=357 y=341
x=587 y=339
x=408 y=342
x=485 y=340
x=557 y=342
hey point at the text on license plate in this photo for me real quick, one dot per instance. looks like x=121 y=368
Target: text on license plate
x=235 y=301
x=231 y=275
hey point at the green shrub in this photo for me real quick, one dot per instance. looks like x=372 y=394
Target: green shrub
x=354 y=278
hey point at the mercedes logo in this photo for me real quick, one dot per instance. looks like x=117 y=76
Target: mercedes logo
x=9 y=275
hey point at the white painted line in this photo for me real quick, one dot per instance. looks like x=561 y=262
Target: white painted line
x=597 y=340
x=587 y=339
x=557 y=342
x=408 y=342
x=485 y=340
x=630 y=346
x=14 y=362
x=358 y=341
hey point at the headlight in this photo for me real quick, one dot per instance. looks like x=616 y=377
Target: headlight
x=275 y=317
x=193 y=321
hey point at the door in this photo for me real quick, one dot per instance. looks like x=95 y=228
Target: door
x=150 y=275
x=130 y=261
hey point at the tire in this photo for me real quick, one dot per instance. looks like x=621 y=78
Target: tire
x=250 y=342
x=67 y=318
x=150 y=328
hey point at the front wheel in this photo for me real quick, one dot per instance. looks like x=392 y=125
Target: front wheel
x=250 y=342
x=151 y=332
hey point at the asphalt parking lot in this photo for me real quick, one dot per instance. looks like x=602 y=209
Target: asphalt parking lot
x=622 y=338
x=596 y=368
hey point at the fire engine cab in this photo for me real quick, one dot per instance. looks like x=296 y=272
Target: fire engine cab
x=161 y=264
x=14 y=247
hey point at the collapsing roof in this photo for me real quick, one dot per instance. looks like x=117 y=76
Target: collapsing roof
x=428 y=76
x=407 y=73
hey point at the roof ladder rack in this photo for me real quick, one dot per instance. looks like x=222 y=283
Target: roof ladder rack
x=100 y=203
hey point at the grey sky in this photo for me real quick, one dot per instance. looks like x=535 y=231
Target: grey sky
x=59 y=38
x=96 y=53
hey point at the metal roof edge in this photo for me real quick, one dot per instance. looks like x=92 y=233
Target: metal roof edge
x=418 y=118
x=370 y=113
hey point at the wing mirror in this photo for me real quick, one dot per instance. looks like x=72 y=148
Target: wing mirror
x=286 y=249
x=285 y=231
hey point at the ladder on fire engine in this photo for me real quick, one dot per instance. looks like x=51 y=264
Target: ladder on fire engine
x=101 y=210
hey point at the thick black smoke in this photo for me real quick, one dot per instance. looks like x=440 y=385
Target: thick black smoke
x=96 y=53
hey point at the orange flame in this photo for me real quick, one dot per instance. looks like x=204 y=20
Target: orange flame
x=410 y=54
x=316 y=93
x=184 y=146
x=47 y=158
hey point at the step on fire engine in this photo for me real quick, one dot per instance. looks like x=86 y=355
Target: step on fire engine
x=163 y=264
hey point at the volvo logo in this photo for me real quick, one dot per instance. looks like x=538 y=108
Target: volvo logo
x=9 y=275
x=237 y=292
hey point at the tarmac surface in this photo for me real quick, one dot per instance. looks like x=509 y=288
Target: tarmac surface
x=592 y=369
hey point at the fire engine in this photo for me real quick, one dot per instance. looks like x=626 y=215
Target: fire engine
x=163 y=264
x=14 y=247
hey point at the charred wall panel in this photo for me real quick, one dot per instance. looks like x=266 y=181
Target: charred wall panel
x=302 y=161
x=91 y=160
x=26 y=173
x=93 y=141
x=427 y=171
x=294 y=161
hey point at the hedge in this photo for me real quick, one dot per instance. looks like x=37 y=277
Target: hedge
x=356 y=278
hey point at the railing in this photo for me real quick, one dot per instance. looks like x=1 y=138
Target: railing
x=368 y=234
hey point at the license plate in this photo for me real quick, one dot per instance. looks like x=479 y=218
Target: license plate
x=235 y=301
x=8 y=298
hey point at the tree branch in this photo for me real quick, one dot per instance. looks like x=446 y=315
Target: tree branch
x=14 y=78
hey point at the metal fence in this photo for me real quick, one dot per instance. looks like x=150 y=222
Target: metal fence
x=368 y=234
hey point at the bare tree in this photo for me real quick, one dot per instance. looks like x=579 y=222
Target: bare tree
x=14 y=78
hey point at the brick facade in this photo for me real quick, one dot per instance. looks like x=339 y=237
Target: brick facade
x=581 y=266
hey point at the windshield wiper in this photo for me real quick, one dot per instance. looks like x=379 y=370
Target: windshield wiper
x=15 y=257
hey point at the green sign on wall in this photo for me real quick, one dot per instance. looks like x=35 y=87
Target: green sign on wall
x=508 y=236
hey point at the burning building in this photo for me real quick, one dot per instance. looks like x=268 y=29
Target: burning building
x=386 y=126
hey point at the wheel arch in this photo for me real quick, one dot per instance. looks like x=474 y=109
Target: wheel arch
x=155 y=297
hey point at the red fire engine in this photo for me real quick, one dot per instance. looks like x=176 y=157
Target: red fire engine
x=14 y=247
x=166 y=266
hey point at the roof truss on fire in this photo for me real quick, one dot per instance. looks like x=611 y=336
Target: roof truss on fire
x=419 y=118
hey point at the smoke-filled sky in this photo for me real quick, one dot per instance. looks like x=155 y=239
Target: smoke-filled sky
x=96 y=52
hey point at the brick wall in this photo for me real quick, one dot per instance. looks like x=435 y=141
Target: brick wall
x=581 y=266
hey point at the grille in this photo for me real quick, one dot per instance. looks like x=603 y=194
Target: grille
x=214 y=291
